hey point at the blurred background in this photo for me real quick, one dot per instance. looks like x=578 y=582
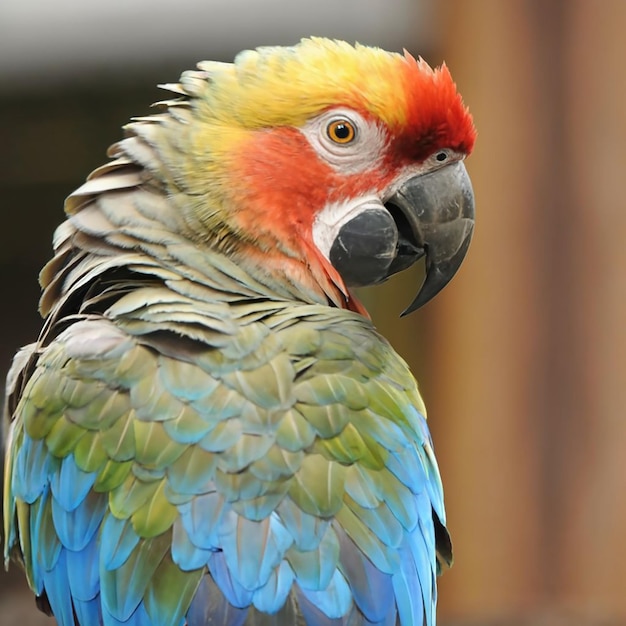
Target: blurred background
x=521 y=360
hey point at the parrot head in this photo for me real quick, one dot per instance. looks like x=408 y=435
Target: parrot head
x=332 y=166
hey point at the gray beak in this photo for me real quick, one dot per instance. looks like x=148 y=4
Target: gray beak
x=434 y=214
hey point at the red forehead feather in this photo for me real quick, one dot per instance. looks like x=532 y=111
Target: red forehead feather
x=435 y=114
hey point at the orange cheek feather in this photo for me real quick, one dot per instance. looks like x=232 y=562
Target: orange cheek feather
x=281 y=185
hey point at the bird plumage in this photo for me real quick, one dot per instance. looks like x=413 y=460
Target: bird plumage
x=208 y=429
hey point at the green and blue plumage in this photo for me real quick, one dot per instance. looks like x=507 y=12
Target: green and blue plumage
x=288 y=463
x=207 y=432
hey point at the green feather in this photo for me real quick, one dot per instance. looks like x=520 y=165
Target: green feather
x=112 y=475
x=136 y=364
x=118 y=441
x=277 y=463
x=89 y=452
x=155 y=516
x=193 y=471
x=170 y=592
x=328 y=420
x=154 y=448
x=186 y=381
x=63 y=437
x=318 y=486
x=123 y=588
x=247 y=449
x=294 y=433
x=315 y=568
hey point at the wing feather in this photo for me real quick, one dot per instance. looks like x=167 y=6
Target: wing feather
x=276 y=479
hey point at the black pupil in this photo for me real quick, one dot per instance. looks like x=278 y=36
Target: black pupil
x=441 y=156
x=342 y=131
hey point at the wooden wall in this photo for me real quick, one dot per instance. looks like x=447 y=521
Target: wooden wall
x=528 y=397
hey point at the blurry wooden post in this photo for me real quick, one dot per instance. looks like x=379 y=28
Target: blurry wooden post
x=529 y=390
x=593 y=529
x=486 y=342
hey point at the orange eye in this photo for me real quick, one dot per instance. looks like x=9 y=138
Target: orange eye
x=341 y=131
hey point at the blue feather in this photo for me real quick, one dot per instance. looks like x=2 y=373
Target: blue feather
x=334 y=601
x=406 y=466
x=272 y=596
x=422 y=546
x=372 y=589
x=202 y=519
x=380 y=521
x=118 y=539
x=361 y=487
x=406 y=587
x=184 y=553
x=307 y=530
x=139 y=617
x=31 y=470
x=209 y=606
x=402 y=504
x=313 y=615
x=57 y=588
x=76 y=528
x=431 y=471
x=44 y=539
x=83 y=572
x=88 y=612
x=253 y=549
x=70 y=484
x=237 y=595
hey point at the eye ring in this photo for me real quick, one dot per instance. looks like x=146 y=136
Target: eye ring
x=341 y=131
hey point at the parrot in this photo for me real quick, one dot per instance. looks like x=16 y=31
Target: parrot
x=209 y=429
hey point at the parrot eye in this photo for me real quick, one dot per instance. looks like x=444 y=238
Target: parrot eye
x=341 y=131
x=346 y=140
x=441 y=156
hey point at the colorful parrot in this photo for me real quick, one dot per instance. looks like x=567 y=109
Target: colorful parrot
x=209 y=429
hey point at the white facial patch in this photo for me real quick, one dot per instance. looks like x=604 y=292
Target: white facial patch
x=332 y=217
x=364 y=152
